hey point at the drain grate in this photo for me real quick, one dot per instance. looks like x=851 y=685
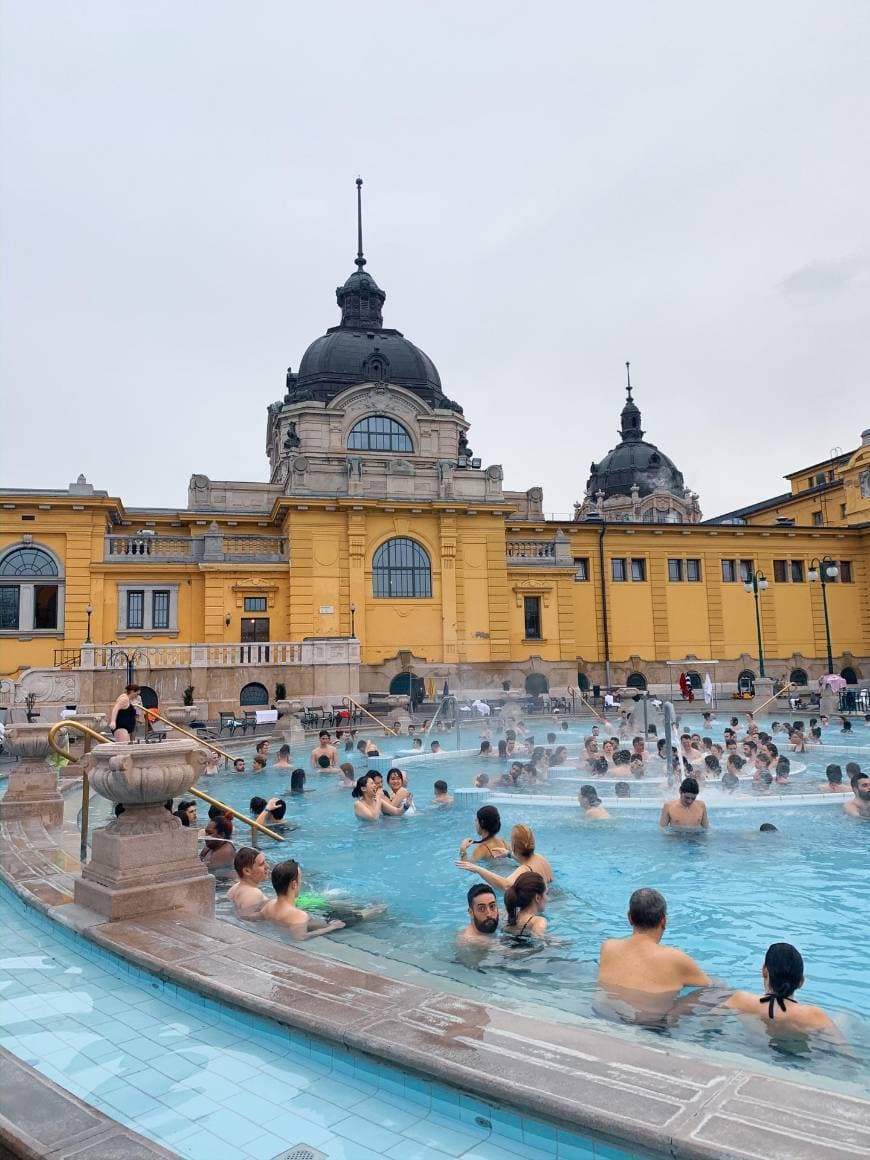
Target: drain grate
x=302 y=1152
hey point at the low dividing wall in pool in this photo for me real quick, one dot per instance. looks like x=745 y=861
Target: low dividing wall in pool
x=576 y=1079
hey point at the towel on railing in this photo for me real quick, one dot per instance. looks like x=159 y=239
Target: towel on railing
x=266 y=716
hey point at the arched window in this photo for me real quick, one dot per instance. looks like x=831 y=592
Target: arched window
x=636 y=681
x=536 y=684
x=31 y=591
x=378 y=433
x=254 y=694
x=583 y=683
x=401 y=568
x=798 y=677
x=849 y=676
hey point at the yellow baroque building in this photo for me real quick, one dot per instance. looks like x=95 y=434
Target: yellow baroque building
x=381 y=550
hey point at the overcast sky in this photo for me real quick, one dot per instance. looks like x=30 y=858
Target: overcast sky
x=549 y=191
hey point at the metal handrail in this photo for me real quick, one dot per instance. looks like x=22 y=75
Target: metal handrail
x=362 y=708
x=761 y=708
x=589 y=707
x=90 y=733
x=154 y=715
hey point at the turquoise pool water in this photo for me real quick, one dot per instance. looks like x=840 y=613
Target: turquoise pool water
x=214 y=1084
x=731 y=893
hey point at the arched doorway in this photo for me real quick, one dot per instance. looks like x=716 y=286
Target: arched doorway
x=537 y=684
x=798 y=677
x=408 y=685
x=636 y=681
x=695 y=681
x=148 y=697
x=746 y=682
x=583 y=683
x=254 y=694
x=849 y=676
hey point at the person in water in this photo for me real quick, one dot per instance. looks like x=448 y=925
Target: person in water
x=246 y=895
x=484 y=915
x=834 y=782
x=639 y=962
x=487 y=845
x=590 y=803
x=685 y=812
x=442 y=797
x=218 y=852
x=283 y=759
x=286 y=882
x=400 y=794
x=523 y=851
x=324 y=748
x=783 y=974
x=860 y=806
x=370 y=802
x=524 y=901
x=268 y=813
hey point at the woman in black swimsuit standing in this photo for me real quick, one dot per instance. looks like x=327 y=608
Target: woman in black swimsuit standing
x=123 y=720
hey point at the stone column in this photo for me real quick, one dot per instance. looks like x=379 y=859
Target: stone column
x=32 y=791
x=144 y=861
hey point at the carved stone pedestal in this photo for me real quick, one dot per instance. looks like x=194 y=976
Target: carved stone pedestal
x=32 y=791
x=144 y=861
x=290 y=728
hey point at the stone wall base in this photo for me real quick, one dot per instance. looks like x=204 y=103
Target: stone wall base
x=49 y=811
x=195 y=895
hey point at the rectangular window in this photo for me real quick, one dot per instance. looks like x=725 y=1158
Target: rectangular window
x=581 y=567
x=638 y=568
x=797 y=571
x=693 y=570
x=45 y=606
x=745 y=570
x=255 y=604
x=532 y=617
x=780 y=571
x=617 y=568
x=846 y=571
x=729 y=571
x=160 y=608
x=10 y=600
x=135 y=608
x=675 y=570
x=817 y=519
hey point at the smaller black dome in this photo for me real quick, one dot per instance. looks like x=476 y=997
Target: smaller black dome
x=634 y=462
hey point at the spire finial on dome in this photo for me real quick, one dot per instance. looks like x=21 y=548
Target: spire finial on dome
x=360 y=260
x=630 y=429
x=628 y=378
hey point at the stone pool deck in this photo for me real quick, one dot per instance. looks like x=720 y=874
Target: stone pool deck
x=621 y=1090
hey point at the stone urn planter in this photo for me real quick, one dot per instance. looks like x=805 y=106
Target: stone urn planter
x=144 y=861
x=32 y=791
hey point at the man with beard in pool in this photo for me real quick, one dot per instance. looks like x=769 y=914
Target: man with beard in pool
x=860 y=807
x=483 y=911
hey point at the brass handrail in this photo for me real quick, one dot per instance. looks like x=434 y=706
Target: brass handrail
x=761 y=708
x=88 y=732
x=362 y=708
x=589 y=707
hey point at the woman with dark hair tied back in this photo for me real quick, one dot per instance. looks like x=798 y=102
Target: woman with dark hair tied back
x=523 y=851
x=524 y=901
x=783 y=974
x=487 y=845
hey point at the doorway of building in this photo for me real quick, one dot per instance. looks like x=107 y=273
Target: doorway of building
x=409 y=685
x=255 y=634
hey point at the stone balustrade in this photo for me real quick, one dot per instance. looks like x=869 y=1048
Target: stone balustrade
x=317 y=650
x=212 y=547
x=554 y=552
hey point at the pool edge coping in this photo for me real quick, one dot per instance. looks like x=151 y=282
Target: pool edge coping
x=723 y=1084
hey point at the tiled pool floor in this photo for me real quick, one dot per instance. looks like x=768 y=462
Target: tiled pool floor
x=213 y=1084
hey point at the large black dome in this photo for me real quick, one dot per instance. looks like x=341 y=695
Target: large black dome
x=362 y=350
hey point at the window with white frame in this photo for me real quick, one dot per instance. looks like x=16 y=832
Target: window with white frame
x=31 y=590
x=144 y=608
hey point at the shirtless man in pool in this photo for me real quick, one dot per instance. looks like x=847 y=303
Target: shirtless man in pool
x=246 y=896
x=685 y=812
x=640 y=962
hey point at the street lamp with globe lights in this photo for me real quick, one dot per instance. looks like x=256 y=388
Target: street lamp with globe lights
x=756 y=582
x=89 y=613
x=825 y=570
